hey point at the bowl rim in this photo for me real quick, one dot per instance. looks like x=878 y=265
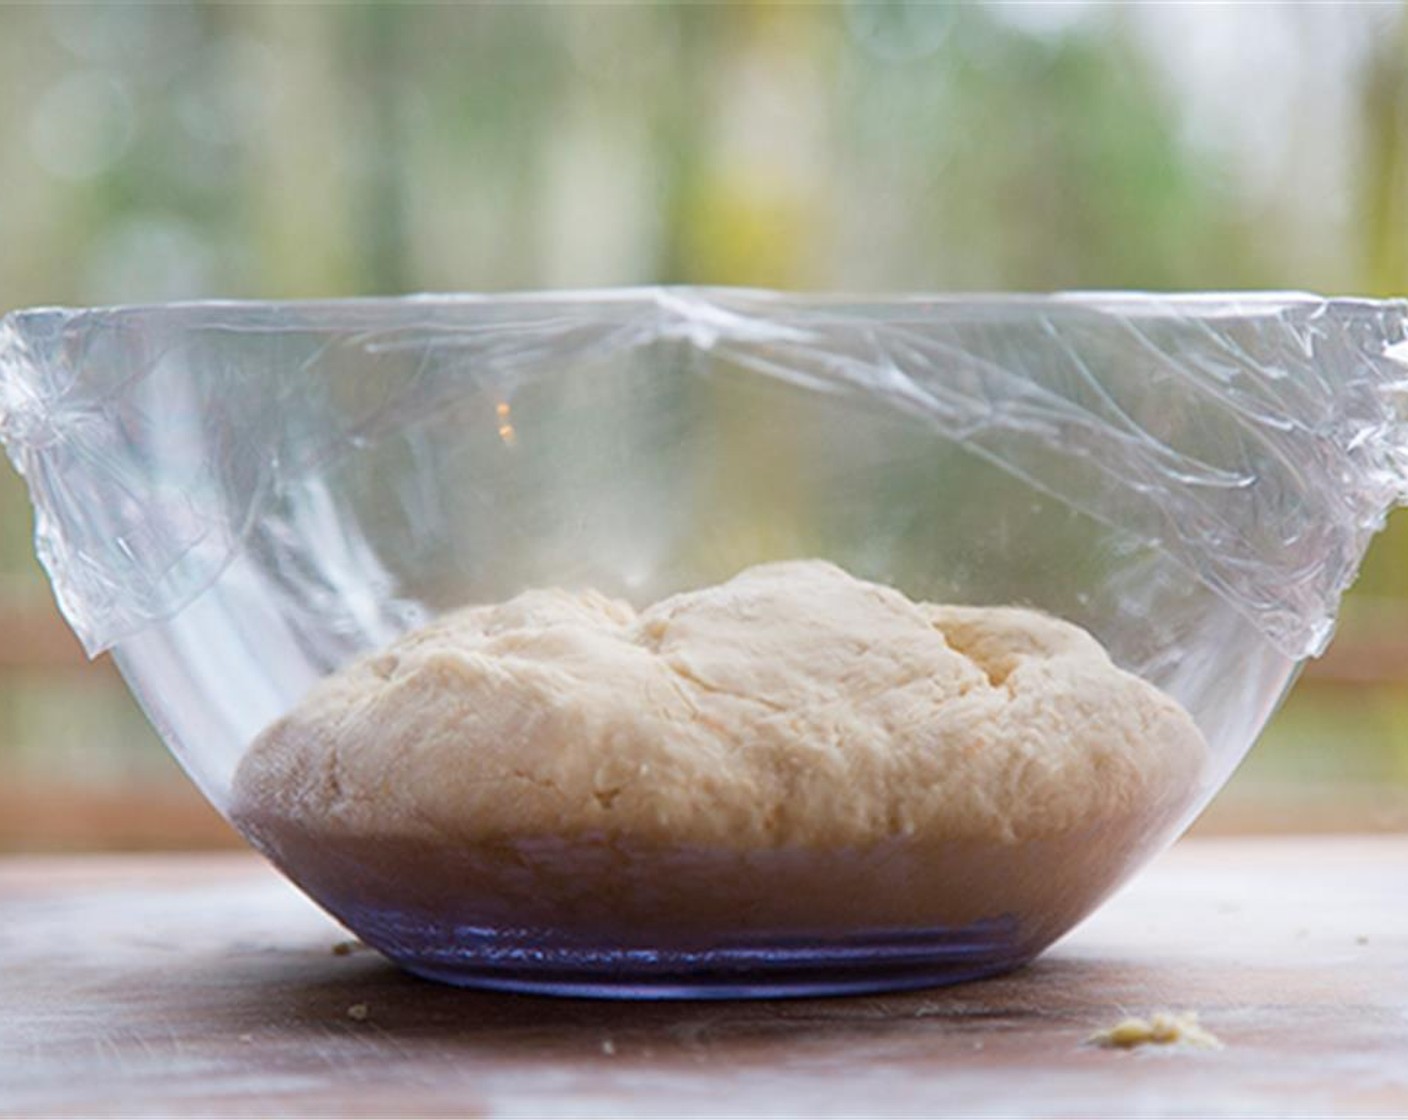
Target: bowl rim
x=1203 y=304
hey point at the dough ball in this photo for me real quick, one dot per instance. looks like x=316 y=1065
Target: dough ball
x=794 y=748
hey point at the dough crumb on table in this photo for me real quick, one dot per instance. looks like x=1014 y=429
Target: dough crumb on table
x=792 y=750
x=1163 y=1028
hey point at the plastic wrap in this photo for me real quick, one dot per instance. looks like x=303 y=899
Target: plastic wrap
x=1258 y=440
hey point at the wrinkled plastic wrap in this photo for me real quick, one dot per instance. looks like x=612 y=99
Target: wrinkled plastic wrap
x=1257 y=440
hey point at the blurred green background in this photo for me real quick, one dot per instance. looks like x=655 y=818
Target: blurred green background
x=182 y=151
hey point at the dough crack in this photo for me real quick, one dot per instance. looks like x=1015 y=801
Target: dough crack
x=688 y=675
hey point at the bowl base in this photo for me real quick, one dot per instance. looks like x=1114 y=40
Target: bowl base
x=758 y=985
x=540 y=963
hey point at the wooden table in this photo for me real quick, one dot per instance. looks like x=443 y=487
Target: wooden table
x=203 y=985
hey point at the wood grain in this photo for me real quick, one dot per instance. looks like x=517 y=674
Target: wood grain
x=203 y=985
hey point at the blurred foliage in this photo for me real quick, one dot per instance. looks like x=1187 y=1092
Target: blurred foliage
x=156 y=152
x=176 y=151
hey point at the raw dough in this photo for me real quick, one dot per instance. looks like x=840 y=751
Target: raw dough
x=1163 y=1028
x=795 y=749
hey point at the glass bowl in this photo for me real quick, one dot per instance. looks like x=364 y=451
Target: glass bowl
x=242 y=499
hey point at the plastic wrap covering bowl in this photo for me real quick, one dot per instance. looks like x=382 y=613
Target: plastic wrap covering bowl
x=240 y=499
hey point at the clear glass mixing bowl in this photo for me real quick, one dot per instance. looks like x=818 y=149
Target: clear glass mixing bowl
x=241 y=498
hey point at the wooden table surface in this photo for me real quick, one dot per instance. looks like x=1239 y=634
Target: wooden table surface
x=203 y=985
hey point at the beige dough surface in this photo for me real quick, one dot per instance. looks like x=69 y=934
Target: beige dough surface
x=564 y=751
